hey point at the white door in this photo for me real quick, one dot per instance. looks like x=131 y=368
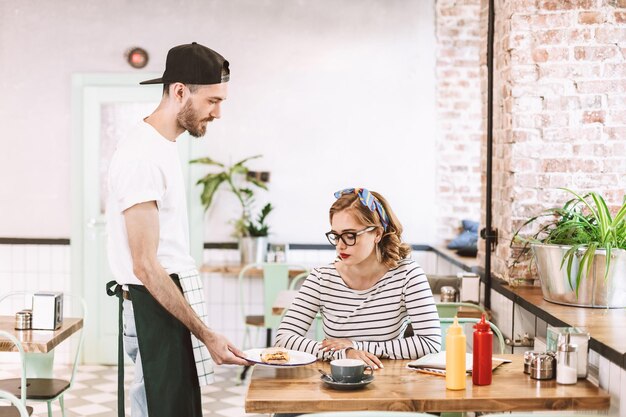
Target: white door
x=104 y=109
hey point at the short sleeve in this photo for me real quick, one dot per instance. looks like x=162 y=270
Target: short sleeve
x=136 y=181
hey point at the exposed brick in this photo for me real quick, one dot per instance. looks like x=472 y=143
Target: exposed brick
x=550 y=37
x=587 y=133
x=554 y=165
x=570 y=70
x=595 y=53
x=617 y=117
x=580 y=35
x=602 y=87
x=610 y=34
x=540 y=21
x=590 y=18
x=620 y=17
x=593 y=117
x=615 y=70
x=615 y=132
x=565 y=4
x=615 y=101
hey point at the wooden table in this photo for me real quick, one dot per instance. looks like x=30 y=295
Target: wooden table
x=37 y=341
x=292 y=390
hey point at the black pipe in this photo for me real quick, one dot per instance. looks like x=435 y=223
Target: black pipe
x=488 y=226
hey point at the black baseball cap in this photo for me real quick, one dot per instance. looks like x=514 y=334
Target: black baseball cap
x=193 y=63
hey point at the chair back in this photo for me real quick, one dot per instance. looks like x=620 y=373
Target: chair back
x=275 y=280
x=18 y=345
x=17 y=403
x=449 y=310
x=446 y=322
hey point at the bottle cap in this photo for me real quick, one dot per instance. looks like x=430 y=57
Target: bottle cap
x=482 y=325
x=455 y=328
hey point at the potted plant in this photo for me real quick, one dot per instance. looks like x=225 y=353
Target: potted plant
x=252 y=233
x=580 y=252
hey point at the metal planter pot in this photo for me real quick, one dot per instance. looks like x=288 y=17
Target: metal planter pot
x=594 y=290
x=253 y=249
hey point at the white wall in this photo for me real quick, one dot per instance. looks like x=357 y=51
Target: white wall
x=334 y=93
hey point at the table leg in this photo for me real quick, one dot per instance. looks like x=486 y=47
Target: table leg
x=268 y=337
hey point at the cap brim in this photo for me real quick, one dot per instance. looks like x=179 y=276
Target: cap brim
x=154 y=81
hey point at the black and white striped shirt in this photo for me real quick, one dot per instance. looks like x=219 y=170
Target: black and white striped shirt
x=374 y=319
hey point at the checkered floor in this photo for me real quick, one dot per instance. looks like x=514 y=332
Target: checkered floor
x=94 y=393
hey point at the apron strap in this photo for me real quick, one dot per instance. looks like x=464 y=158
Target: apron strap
x=114 y=289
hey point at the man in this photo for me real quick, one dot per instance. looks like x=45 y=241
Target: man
x=148 y=243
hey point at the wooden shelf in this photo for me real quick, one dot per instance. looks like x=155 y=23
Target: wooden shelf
x=606 y=327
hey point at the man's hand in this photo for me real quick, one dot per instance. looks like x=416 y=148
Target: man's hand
x=336 y=344
x=369 y=358
x=222 y=351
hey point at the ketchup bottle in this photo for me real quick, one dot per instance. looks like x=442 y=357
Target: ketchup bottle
x=482 y=351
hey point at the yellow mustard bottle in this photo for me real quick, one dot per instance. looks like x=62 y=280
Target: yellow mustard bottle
x=455 y=357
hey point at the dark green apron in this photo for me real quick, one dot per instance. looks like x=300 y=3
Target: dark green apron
x=169 y=369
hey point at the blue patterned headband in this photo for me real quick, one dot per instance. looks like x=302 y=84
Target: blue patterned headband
x=369 y=201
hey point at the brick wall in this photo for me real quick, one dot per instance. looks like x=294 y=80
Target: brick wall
x=459 y=114
x=559 y=108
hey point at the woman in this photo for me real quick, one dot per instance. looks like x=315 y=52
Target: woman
x=368 y=294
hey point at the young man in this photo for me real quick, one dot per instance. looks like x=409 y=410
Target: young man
x=148 y=243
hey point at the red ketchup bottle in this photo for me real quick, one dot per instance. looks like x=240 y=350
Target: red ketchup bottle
x=482 y=351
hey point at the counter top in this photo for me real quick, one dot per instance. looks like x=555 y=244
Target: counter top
x=606 y=327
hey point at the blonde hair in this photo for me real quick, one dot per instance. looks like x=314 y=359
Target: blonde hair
x=390 y=249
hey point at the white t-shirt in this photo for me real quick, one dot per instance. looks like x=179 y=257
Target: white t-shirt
x=146 y=167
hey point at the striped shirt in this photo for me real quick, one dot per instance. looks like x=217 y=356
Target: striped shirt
x=374 y=319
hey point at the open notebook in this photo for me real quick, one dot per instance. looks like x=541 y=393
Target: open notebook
x=438 y=361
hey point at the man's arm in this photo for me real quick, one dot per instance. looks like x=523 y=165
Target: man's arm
x=142 y=227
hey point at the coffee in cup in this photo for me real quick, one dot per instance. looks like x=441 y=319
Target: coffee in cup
x=349 y=370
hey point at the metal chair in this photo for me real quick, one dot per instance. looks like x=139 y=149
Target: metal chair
x=18 y=406
x=16 y=409
x=275 y=280
x=319 y=327
x=449 y=310
x=43 y=387
x=446 y=322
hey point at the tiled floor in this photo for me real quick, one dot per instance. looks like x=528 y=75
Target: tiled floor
x=94 y=393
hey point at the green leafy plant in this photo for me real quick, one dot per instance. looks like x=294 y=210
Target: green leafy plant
x=585 y=223
x=233 y=176
x=258 y=227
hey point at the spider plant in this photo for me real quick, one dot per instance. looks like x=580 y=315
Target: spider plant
x=586 y=225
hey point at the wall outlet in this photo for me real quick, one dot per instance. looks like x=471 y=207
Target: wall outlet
x=263 y=176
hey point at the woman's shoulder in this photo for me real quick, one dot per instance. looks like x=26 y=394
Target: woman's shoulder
x=406 y=265
x=324 y=271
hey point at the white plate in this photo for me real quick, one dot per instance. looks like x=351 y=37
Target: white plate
x=296 y=358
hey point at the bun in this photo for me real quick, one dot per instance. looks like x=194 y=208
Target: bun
x=275 y=355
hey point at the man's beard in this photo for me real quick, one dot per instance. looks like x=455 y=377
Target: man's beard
x=188 y=119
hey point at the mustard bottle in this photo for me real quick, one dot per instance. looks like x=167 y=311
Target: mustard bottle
x=455 y=357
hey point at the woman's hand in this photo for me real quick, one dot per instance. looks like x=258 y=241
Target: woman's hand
x=336 y=344
x=369 y=358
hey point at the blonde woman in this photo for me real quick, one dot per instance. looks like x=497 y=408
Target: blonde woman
x=368 y=294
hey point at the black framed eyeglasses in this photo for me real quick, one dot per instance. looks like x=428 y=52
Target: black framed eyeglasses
x=349 y=238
